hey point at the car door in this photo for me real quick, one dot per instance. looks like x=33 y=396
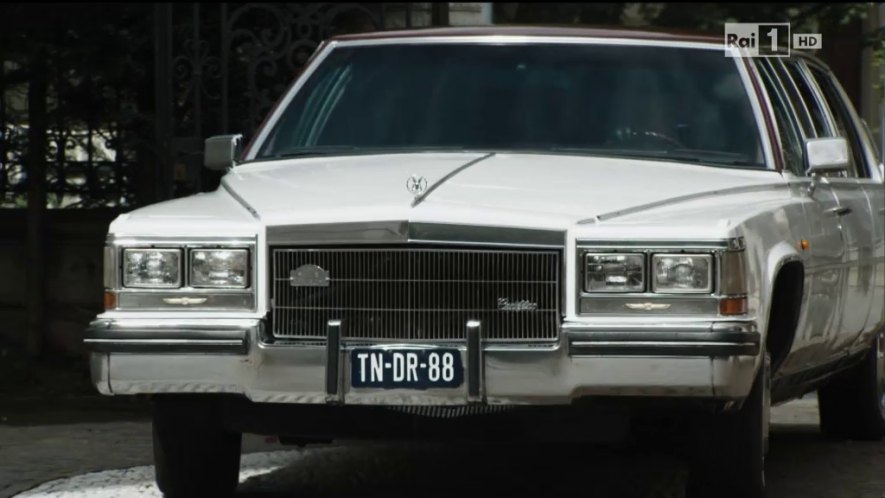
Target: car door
x=818 y=318
x=852 y=206
x=870 y=273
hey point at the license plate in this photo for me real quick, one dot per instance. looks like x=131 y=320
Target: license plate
x=406 y=368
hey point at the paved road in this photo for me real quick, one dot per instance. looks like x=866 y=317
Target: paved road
x=801 y=465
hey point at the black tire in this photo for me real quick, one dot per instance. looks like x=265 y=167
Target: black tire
x=193 y=455
x=852 y=405
x=729 y=460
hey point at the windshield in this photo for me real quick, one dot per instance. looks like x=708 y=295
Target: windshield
x=635 y=101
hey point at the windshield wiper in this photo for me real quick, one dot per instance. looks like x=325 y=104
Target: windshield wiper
x=328 y=150
x=318 y=150
x=693 y=155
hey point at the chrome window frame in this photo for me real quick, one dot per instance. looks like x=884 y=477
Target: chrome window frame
x=680 y=304
x=765 y=70
x=142 y=299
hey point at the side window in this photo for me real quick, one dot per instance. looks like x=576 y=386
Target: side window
x=844 y=123
x=792 y=92
x=818 y=114
x=791 y=138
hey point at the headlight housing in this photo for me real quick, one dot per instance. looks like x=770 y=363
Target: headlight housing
x=682 y=273
x=152 y=268
x=219 y=268
x=614 y=272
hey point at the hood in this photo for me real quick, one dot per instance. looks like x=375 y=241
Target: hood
x=544 y=191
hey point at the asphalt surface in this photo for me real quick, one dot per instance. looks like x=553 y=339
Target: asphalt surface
x=69 y=461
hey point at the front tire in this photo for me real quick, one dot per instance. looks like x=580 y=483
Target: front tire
x=193 y=454
x=730 y=458
x=852 y=406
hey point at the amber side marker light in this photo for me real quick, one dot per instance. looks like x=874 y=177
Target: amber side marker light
x=733 y=306
x=804 y=244
x=110 y=300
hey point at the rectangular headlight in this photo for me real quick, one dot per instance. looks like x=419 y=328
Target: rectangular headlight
x=614 y=272
x=219 y=268
x=152 y=268
x=682 y=273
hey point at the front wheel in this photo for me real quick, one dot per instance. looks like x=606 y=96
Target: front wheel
x=729 y=461
x=852 y=406
x=193 y=454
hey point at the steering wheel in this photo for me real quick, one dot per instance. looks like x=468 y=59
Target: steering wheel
x=643 y=138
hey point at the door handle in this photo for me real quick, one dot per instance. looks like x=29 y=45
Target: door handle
x=839 y=210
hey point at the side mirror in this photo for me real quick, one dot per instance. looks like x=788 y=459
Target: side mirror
x=827 y=155
x=220 y=153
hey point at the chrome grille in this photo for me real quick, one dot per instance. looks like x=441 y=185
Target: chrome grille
x=417 y=293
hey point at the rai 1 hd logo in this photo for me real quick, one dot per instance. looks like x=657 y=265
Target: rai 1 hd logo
x=766 y=40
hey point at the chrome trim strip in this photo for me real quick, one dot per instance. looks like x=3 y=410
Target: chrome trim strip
x=420 y=198
x=634 y=305
x=704 y=339
x=170 y=336
x=706 y=325
x=215 y=346
x=623 y=348
x=661 y=337
x=186 y=300
x=526 y=38
x=683 y=198
x=734 y=243
x=405 y=231
x=237 y=197
x=147 y=241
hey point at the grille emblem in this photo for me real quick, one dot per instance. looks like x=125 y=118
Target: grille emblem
x=505 y=304
x=647 y=306
x=309 y=276
x=416 y=184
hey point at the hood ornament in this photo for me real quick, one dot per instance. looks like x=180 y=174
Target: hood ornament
x=416 y=185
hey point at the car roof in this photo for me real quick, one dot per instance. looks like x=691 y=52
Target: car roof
x=539 y=31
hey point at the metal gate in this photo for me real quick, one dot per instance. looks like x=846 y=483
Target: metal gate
x=220 y=68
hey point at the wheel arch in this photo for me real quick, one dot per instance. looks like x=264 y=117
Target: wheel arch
x=785 y=290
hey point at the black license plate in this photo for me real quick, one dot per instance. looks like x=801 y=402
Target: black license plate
x=406 y=368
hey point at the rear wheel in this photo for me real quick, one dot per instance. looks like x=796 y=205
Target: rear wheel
x=730 y=458
x=193 y=454
x=852 y=406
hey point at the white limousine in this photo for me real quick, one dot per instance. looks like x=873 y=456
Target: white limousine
x=510 y=232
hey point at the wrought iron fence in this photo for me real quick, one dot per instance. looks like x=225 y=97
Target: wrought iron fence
x=130 y=130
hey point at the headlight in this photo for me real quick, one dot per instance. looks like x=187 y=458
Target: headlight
x=152 y=268
x=682 y=273
x=220 y=268
x=614 y=272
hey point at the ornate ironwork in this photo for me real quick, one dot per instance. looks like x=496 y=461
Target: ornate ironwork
x=122 y=133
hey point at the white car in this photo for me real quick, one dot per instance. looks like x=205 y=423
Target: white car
x=512 y=232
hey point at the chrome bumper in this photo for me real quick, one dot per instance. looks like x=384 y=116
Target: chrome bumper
x=709 y=360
